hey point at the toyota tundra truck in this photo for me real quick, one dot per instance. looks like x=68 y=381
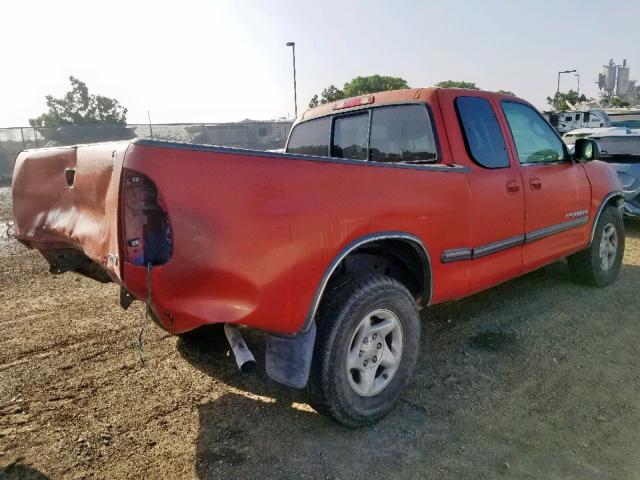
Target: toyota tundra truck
x=380 y=206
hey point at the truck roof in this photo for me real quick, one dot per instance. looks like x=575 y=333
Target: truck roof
x=381 y=98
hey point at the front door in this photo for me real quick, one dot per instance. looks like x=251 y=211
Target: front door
x=557 y=191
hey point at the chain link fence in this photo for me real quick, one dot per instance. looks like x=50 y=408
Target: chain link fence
x=267 y=135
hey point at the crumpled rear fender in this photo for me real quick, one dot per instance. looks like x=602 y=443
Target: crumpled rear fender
x=65 y=204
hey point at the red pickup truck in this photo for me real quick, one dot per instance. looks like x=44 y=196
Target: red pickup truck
x=382 y=205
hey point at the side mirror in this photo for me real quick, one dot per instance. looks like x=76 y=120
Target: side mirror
x=586 y=149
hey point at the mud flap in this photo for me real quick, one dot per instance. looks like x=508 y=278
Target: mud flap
x=288 y=359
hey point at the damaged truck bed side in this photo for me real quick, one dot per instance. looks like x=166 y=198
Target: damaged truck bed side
x=381 y=205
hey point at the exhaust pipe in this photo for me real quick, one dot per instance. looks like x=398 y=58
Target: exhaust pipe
x=244 y=357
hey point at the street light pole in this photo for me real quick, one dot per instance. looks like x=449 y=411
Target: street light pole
x=559 y=73
x=295 y=91
x=578 y=77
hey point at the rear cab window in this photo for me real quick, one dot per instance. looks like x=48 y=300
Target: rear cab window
x=389 y=134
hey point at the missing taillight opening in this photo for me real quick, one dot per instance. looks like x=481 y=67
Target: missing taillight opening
x=146 y=225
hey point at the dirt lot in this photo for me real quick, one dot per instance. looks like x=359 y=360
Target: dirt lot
x=537 y=378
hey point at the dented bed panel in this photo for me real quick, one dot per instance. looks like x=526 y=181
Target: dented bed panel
x=67 y=198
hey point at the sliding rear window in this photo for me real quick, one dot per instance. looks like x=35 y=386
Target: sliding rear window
x=351 y=137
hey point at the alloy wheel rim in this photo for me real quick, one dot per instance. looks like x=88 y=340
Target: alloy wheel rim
x=375 y=352
x=608 y=246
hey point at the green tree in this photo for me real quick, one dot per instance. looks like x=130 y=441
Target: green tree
x=616 y=102
x=358 y=86
x=559 y=101
x=79 y=107
x=507 y=92
x=456 y=84
x=331 y=94
x=373 y=84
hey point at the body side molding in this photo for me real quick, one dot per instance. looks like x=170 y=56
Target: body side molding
x=359 y=242
x=557 y=228
x=498 y=246
x=458 y=254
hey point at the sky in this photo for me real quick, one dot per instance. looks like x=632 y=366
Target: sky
x=218 y=61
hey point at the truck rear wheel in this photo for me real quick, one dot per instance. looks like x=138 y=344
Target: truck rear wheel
x=366 y=349
x=599 y=264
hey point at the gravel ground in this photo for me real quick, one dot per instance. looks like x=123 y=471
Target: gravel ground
x=537 y=378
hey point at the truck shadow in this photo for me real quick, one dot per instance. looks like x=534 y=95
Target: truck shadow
x=468 y=350
x=19 y=471
x=632 y=227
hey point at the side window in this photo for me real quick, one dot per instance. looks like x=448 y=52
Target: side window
x=311 y=138
x=535 y=140
x=482 y=134
x=402 y=134
x=351 y=137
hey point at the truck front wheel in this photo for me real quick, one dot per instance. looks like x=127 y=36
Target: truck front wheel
x=599 y=264
x=366 y=349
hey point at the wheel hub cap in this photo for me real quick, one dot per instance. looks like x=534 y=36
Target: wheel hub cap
x=608 y=247
x=375 y=351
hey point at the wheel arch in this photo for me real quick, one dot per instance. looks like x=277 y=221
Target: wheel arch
x=611 y=199
x=406 y=252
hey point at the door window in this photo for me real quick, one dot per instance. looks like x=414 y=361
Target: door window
x=536 y=142
x=350 y=137
x=482 y=134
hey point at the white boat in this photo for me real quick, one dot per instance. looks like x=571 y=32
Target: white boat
x=624 y=117
x=613 y=141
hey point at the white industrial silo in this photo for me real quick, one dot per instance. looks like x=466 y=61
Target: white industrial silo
x=622 y=84
x=609 y=80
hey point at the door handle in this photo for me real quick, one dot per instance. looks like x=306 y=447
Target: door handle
x=513 y=187
x=535 y=184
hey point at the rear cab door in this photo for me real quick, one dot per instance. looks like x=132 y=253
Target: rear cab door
x=477 y=140
x=557 y=191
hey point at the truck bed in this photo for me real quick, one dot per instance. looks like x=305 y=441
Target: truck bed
x=252 y=233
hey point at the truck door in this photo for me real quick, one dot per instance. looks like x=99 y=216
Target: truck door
x=497 y=206
x=557 y=191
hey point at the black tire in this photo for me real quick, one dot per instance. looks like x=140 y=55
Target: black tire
x=340 y=315
x=586 y=266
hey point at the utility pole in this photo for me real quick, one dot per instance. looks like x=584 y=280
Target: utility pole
x=295 y=92
x=577 y=75
x=150 y=127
